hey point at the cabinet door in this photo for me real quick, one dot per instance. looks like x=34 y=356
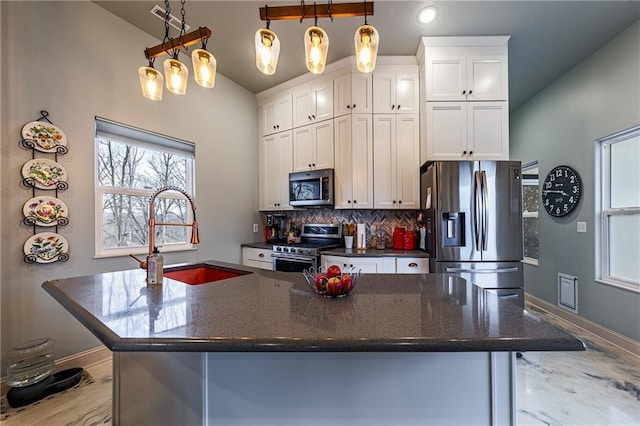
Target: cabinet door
x=362 y=161
x=384 y=158
x=384 y=87
x=361 y=93
x=342 y=95
x=408 y=166
x=343 y=161
x=488 y=130
x=322 y=108
x=446 y=77
x=323 y=145
x=367 y=265
x=303 y=149
x=270 y=114
x=303 y=106
x=274 y=171
x=328 y=260
x=446 y=130
x=407 y=95
x=487 y=78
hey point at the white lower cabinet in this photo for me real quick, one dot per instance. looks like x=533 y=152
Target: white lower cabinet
x=379 y=265
x=257 y=258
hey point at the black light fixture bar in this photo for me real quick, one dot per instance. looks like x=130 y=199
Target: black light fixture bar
x=335 y=10
x=175 y=43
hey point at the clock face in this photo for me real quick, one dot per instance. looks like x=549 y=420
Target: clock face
x=561 y=191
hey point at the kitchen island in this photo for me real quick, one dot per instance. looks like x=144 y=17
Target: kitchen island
x=262 y=348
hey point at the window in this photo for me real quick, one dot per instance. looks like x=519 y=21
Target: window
x=530 y=197
x=619 y=222
x=131 y=164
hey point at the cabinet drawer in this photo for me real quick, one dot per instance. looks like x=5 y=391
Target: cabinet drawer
x=412 y=265
x=257 y=258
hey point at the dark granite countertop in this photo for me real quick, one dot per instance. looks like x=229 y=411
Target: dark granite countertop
x=268 y=311
x=370 y=252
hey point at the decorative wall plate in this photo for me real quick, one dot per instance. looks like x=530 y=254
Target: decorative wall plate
x=45 y=136
x=45 y=211
x=43 y=173
x=45 y=247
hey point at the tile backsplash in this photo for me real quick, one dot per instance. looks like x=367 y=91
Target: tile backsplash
x=374 y=219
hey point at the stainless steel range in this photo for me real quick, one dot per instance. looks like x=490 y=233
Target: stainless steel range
x=306 y=254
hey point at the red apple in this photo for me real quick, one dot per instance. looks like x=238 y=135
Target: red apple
x=347 y=283
x=334 y=286
x=333 y=271
x=321 y=282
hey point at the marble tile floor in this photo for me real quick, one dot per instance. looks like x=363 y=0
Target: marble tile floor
x=598 y=387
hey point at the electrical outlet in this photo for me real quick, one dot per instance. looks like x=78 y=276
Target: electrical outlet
x=581 y=227
x=255 y=227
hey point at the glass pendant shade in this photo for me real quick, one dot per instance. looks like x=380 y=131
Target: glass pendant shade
x=204 y=68
x=267 y=47
x=176 y=75
x=151 y=82
x=366 y=41
x=316 y=46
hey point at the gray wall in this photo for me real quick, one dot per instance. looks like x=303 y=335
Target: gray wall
x=599 y=97
x=78 y=61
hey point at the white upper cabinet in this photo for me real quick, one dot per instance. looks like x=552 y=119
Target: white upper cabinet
x=353 y=161
x=396 y=161
x=275 y=165
x=396 y=89
x=277 y=115
x=467 y=130
x=313 y=102
x=466 y=116
x=313 y=147
x=352 y=93
x=473 y=71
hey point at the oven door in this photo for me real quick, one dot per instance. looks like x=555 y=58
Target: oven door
x=292 y=263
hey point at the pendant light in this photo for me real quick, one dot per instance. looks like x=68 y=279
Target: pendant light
x=366 y=42
x=151 y=82
x=204 y=66
x=316 y=45
x=267 y=46
x=176 y=75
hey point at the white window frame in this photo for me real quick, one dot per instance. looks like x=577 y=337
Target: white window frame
x=533 y=166
x=604 y=212
x=148 y=140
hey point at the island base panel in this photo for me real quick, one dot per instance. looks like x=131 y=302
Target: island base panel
x=354 y=388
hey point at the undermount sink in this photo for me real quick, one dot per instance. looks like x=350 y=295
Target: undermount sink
x=201 y=273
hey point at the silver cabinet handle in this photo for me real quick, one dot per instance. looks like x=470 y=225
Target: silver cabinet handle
x=483 y=271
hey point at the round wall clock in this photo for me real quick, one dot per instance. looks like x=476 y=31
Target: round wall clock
x=561 y=191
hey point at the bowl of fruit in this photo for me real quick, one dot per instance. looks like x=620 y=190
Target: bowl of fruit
x=332 y=282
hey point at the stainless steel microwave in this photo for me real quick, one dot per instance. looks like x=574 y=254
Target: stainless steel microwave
x=311 y=189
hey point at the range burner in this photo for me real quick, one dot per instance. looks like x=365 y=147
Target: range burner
x=314 y=238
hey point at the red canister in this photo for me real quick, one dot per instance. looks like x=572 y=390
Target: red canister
x=398 y=238
x=409 y=240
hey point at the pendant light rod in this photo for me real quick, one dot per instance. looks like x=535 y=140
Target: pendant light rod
x=335 y=10
x=186 y=40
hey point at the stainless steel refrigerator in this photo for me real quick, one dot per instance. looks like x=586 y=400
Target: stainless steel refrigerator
x=473 y=218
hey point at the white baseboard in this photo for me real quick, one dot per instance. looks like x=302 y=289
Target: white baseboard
x=616 y=339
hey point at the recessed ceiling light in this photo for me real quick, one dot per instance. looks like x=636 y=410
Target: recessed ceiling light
x=427 y=14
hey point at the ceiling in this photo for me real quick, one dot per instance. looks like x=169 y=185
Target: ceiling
x=547 y=37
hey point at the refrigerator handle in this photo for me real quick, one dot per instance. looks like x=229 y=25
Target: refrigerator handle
x=483 y=271
x=485 y=212
x=478 y=208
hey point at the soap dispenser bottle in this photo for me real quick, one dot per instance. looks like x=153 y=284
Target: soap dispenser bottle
x=155 y=265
